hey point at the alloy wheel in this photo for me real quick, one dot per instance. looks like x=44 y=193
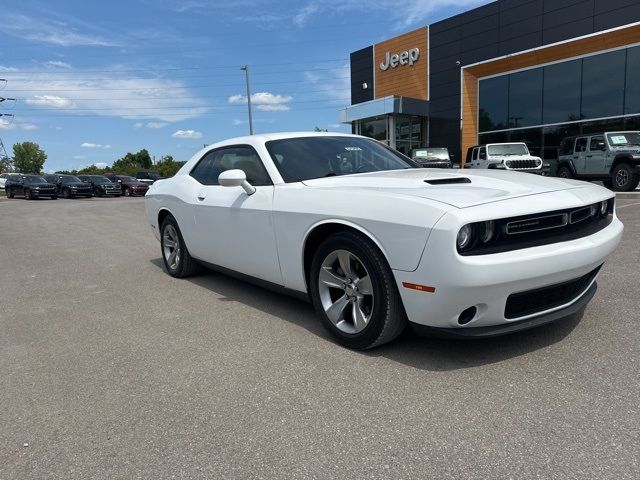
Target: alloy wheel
x=622 y=177
x=346 y=292
x=171 y=247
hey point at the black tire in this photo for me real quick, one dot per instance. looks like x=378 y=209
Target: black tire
x=66 y=193
x=10 y=193
x=186 y=265
x=388 y=318
x=127 y=192
x=608 y=183
x=565 y=172
x=27 y=194
x=88 y=196
x=97 y=193
x=624 y=178
x=54 y=197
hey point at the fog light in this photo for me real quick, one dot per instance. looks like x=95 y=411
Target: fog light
x=467 y=315
x=603 y=207
x=464 y=237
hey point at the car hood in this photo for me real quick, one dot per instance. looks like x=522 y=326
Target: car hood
x=41 y=185
x=481 y=186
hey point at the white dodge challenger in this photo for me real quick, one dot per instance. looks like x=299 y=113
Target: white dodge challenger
x=375 y=242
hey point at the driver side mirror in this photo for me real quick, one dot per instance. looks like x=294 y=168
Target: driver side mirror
x=236 y=178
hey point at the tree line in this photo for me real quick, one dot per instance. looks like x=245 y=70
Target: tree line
x=28 y=157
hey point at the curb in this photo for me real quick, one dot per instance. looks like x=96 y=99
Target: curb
x=628 y=195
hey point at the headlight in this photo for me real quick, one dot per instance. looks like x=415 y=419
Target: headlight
x=487 y=231
x=465 y=235
x=594 y=210
x=603 y=207
x=508 y=163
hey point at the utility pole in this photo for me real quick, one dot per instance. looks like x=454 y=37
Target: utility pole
x=246 y=76
x=3 y=151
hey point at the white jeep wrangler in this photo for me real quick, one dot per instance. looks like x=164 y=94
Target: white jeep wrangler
x=504 y=156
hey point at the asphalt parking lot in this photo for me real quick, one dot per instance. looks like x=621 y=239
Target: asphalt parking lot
x=109 y=368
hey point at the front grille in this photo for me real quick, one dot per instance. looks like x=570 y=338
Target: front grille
x=522 y=164
x=534 y=301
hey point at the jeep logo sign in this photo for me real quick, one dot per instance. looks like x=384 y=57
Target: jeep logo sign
x=407 y=57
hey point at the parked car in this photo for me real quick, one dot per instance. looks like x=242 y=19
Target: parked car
x=130 y=186
x=148 y=177
x=101 y=186
x=432 y=157
x=29 y=187
x=374 y=240
x=69 y=186
x=612 y=157
x=503 y=156
x=4 y=177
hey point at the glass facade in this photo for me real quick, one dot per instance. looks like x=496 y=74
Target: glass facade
x=409 y=134
x=574 y=96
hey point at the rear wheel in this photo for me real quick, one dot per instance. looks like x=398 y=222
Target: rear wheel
x=27 y=194
x=66 y=193
x=177 y=260
x=565 y=172
x=354 y=293
x=624 y=178
x=10 y=193
x=127 y=192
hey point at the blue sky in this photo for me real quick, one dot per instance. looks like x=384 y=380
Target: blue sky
x=94 y=80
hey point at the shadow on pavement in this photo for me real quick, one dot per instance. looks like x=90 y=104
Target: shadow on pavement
x=425 y=353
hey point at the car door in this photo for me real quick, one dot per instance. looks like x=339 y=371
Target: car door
x=595 y=156
x=233 y=229
x=580 y=155
x=482 y=158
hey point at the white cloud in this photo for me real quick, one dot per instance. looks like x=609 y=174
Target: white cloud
x=49 y=101
x=138 y=125
x=156 y=125
x=56 y=63
x=101 y=164
x=8 y=69
x=95 y=145
x=77 y=92
x=335 y=84
x=64 y=32
x=28 y=126
x=78 y=157
x=6 y=124
x=264 y=101
x=192 y=134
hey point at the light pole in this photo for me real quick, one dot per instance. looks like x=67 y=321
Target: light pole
x=246 y=76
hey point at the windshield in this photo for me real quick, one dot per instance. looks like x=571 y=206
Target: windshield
x=624 y=138
x=432 y=153
x=34 y=179
x=71 y=179
x=125 y=178
x=508 y=149
x=100 y=180
x=305 y=158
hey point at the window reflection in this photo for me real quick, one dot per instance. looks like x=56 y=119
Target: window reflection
x=562 y=92
x=603 y=85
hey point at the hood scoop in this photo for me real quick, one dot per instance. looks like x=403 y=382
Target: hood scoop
x=448 y=181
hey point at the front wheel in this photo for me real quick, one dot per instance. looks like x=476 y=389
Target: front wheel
x=354 y=293
x=54 y=197
x=66 y=193
x=565 y=172
x=624 y=178
x=177 y=260
x=27 y=194
x=127 y=192
x=10 y=193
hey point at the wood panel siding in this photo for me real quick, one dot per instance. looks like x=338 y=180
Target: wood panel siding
x=564 y=51
x=403 y=80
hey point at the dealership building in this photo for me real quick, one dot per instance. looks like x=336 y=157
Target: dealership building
x=510 y=71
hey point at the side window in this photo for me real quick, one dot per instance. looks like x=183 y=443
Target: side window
x=474 y=155
x=483 y=153
x=581 y=145
x=244 y=158
x=597 y=144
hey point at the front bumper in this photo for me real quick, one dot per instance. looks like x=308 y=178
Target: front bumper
x=486 y=281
